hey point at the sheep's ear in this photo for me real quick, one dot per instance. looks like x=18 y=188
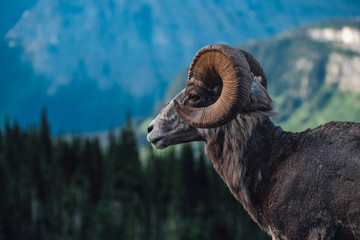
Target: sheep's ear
x=258 y=79
x=259 y=98
x=256 y=87
x=257 y=90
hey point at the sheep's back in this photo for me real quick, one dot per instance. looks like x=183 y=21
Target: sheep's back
x=317 y=184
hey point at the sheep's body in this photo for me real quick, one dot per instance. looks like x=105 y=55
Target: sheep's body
x=294 y=185
x=316 y=184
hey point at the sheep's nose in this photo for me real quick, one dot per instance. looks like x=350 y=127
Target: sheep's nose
x=150 y=128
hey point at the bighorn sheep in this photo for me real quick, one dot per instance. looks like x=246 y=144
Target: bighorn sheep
x=294 y=185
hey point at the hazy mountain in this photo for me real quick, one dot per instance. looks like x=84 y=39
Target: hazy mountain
x=313 y=73
x=88 y=62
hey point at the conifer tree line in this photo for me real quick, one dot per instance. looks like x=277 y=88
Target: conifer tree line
x=56 y=188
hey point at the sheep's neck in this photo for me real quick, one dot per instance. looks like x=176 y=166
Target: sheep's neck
x=227 y=147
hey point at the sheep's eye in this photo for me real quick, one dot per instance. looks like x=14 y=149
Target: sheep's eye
x=194 y=98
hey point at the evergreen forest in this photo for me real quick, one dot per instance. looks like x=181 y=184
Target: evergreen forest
x=73 y=188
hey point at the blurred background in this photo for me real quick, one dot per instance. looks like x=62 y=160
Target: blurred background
x=81 y=80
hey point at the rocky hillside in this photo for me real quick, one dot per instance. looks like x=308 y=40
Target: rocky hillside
x=313 y=73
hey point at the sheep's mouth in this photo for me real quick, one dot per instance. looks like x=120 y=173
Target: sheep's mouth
x=157 y=142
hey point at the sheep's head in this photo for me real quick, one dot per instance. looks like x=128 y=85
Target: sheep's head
x=218 y=88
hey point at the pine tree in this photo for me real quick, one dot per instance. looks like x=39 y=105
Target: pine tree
x=91 y=170
x=92 y=164
x=1 y=142
x=71 y=189
x=13 y=149
x=46 y=143
x=110 y=161
x=202 y=185
x=3 y=185
x=151 y=180
x=130 y=180
x=189 y=178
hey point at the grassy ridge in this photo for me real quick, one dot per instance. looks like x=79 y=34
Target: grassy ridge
x=340 y=106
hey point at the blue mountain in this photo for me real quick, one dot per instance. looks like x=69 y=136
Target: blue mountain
x=88 y=62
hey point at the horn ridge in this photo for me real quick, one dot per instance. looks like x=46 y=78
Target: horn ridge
x=216 y=64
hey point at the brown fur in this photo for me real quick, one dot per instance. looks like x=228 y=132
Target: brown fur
x=226 y=148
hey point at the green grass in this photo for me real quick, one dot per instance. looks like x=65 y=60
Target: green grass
x=323 y=108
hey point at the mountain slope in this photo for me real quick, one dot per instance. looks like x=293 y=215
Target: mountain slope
x=313 y=73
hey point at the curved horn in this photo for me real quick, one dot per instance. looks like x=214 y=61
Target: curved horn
x=255 y=67
x=218 y=64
